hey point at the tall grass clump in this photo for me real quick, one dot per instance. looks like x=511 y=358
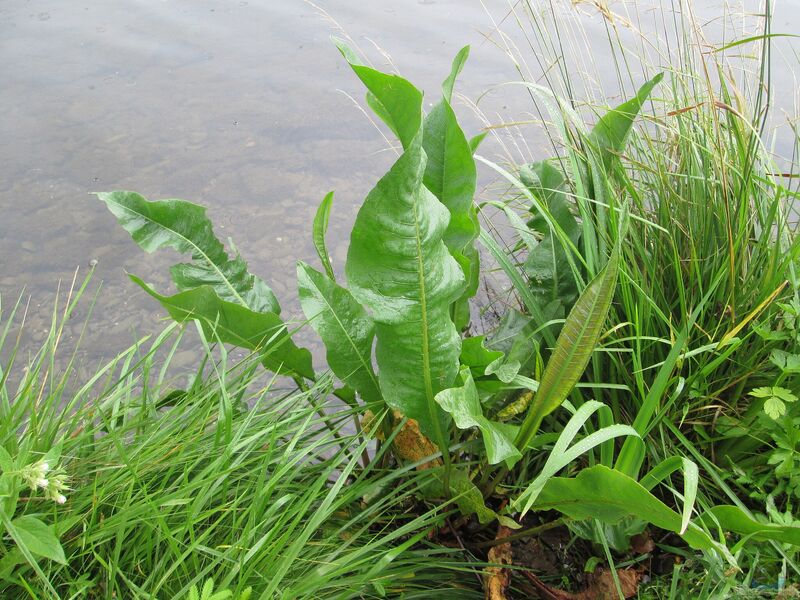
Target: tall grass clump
x=169 y=488
x=702 y=359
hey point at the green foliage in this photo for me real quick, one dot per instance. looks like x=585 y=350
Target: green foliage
x=320 y=228
x=346 y=329
x=207 y=593
x=573 y=349
x=775 y=400
x=706 y=298
x=184 y=226
x=399 y=267
x=610 y=134
x=687 y=297
x=465 y=407
x=226 y=478
x=261 y=332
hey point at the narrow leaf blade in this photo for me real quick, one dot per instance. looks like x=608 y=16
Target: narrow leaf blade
x=573 y=348
x=320 y=228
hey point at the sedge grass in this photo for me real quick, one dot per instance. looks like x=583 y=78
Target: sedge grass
x=224 y=478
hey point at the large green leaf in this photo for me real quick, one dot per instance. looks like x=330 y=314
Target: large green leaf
x=186 y=228
x=476 y=355
x=465 y=407
x=450 y=172
x=609 y=496
x=451 y=175
x=609 y=135
x=395 y=100
x=231 y=323
x=733 y=518
x=573 y=348
x=346 y=329
x=547 y=265
x=399 y=267
x=563 y=454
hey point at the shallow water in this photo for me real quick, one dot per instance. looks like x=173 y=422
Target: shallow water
x=241 y=106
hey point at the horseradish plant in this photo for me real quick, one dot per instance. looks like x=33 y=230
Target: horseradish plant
x=393 y=329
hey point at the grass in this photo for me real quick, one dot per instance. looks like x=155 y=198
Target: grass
x=709 y=273
x=224 y=479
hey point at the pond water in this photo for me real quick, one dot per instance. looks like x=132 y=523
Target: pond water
x=243 y=106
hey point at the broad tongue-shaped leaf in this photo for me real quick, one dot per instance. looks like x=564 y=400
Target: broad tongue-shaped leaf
x=185 y=227
x=399 y=267
x=450 y=172
x=231 y=323
x=609 y=496
x=231 y=304
x=394 y=99
x=548 y=265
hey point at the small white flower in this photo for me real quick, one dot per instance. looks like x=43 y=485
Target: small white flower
x=44 y=468
x=61 y=499
x=42 y=483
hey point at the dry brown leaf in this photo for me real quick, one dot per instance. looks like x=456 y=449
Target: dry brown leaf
x=642 y=543
x=411 y=446
x=497 y=579
x=789 y=593
x=601 y=586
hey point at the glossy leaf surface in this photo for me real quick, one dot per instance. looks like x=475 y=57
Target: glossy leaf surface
x=185 y=227
x=346 y=329
x=399 y=267
x=262 y=332
x=396 y=101
x=465 y=407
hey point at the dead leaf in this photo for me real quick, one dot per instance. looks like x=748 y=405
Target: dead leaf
x=642 y=543
x=411 y=446
x=601 y=586
x=790 y=592
x=497 y=579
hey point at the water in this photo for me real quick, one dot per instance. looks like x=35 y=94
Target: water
x=240 y=106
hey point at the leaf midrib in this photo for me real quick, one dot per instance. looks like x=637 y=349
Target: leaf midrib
x=192 y=244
